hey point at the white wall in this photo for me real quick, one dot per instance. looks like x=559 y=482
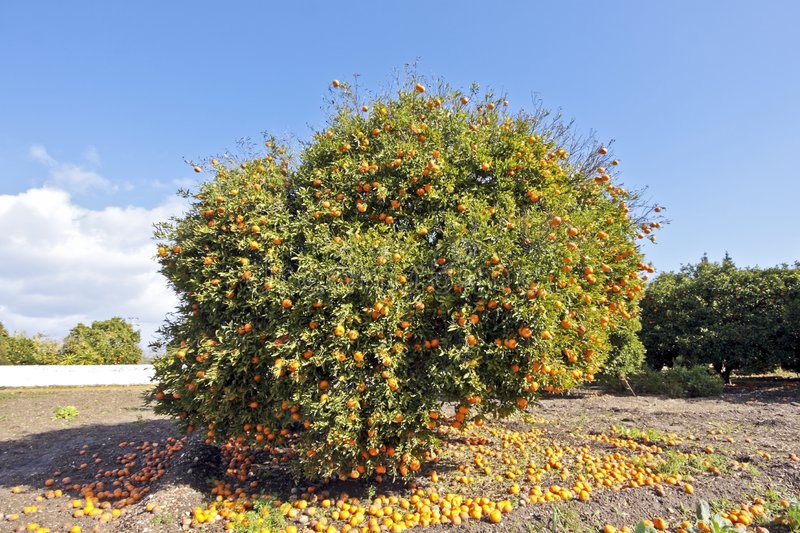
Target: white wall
x=49 y=375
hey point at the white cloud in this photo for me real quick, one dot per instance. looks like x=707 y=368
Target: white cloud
x=91 y=155
x=68 y=176
x=39 y=153
x=63 y=264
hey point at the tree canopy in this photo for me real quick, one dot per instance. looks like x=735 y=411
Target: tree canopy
x=106 y=342
x=742 y=320
x=423 y=248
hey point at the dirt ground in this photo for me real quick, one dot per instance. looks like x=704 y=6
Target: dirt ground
x=753 y=428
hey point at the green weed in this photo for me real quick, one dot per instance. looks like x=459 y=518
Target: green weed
x=68 y=412
x=263 y=516
x=166 y=519
x=647 y=434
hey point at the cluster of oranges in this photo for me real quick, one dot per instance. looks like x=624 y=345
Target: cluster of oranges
x=482 y=473
x=507 y=466
x=105 y=491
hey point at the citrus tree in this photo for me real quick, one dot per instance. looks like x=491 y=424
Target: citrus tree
x=19 y=349
x=424 y=260
x=735 y=319
x=3 y=345
x=104 y=342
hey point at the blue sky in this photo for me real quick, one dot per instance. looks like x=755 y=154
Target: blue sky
x=101 y=102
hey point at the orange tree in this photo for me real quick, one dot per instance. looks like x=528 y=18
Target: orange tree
x=745 y=320
x=426 y=259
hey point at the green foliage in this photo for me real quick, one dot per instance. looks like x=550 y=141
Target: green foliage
x=793 y=516
x=677 y=463
x=107 y=342
x=112 y=341
x=743 y=320
x=263 y=517
x=790 y=342
x=67 y=412
x=422 y=249
x=3 y=345
x=636 y=433
x=677 y=382
x=717 y=523
x=626 y=357
x=706 y=522
x=18 y=349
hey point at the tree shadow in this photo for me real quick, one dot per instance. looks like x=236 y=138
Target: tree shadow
x=87 y=453
x=747 y=389
x=763 y=389
x=30 y=461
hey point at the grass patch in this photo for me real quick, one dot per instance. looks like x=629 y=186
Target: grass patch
x=563 y=518
x=647 y=434
x=675 y=462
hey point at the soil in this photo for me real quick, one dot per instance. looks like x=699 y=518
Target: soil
x=754 y=426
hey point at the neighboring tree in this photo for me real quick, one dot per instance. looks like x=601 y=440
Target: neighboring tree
x=627 y=355
x=713 y=313
x=107 y=342
x=423 y=249
x=19 y=349
x=790 y=341
x=3 y=344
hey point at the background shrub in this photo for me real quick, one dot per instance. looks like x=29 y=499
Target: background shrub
x=677 y=382
x=626 y=357
x=421 y=249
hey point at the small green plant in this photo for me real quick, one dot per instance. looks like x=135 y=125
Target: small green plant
x=166 y=519
x=772 y=499
x=673 y=463
x=566 y=519
x=263 y=517
x=715 y=523
x=67 y=412
x=793 y=516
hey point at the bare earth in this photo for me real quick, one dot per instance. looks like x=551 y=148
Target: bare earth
x=755 y=425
